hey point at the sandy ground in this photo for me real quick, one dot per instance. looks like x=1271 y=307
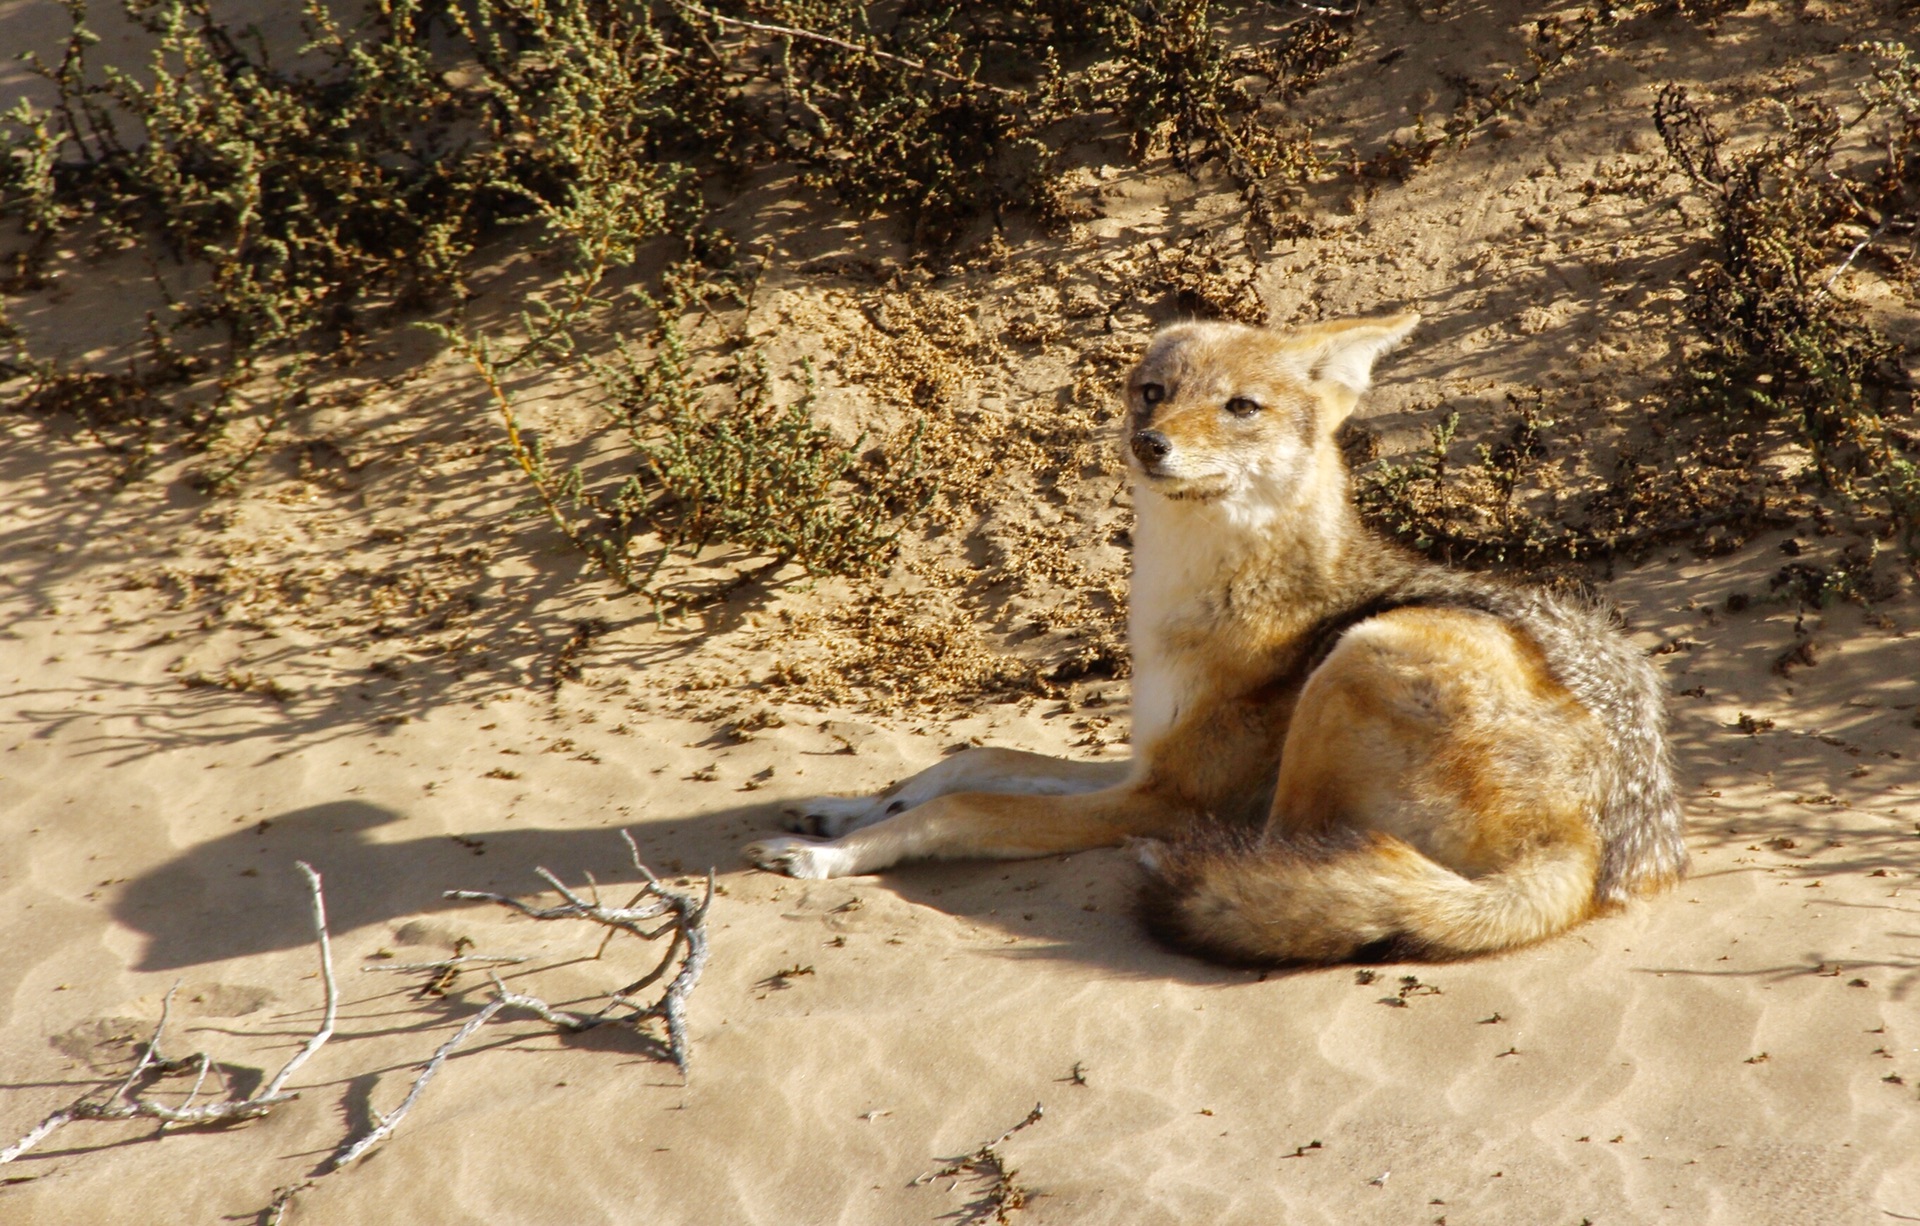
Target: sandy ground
x=1734 y=1052
x=353 y=663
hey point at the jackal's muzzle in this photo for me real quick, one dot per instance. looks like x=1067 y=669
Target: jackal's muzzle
x=1150 y=447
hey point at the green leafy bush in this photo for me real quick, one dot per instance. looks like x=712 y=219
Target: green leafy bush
x=734 y=466
x=311 y=196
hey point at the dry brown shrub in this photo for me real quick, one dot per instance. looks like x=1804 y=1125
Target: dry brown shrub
x=891 y=652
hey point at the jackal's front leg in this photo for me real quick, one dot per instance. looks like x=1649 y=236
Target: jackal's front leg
x=974 y=770
x=978 y=825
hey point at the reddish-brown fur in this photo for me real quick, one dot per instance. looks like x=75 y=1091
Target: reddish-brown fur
x=1430 y=783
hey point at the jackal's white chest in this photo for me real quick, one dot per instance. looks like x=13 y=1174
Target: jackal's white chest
x=1178 y=568
x=1163 y=686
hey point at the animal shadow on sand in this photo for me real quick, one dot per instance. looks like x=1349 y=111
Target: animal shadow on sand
x=239 y=895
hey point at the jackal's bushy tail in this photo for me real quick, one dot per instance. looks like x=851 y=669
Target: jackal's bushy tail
x=1234 y=898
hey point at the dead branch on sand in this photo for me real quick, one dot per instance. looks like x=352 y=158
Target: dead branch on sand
x=688 y=926
x=685 y=917
x=127 y=1103
x=385 y=1124
x=447 y=970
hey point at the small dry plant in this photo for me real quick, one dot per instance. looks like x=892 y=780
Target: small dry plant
x=729 y=464
x=1788 y=215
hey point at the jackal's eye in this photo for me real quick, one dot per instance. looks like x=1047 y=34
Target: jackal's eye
x=1241 y=406
x=1152 y=393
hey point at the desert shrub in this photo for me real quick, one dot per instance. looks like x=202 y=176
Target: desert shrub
x=1850 y=577
x=1175 y=83
x=1483 y=511
x=1787 y=215
x=943 y=111
x=311 y=196
x=1788 y=212
x=1529 y=499
x=746 y=469
x=697 y=466
x=1555 y=44
x=364 y=172
x=893 y=118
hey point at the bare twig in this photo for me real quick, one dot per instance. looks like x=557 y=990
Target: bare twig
x=446 y=972
x=206 y=1066
x=985 y=1153
x=276 y=1212
x=385 y=1125
x=125 y=1103
x=37 y=1134
x=452 y=963
x=687 y=924
x=607 y=940
x=325 y=1032
x=688 y=928
x=562 y=1018
x=626 y=919
x=767 y=27
x=1887 y=223
x=692 y=929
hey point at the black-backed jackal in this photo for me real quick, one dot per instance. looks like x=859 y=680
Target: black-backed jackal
x=1339 y=750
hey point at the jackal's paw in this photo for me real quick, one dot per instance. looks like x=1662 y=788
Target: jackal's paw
x=828 y=816
x=809 y=859
x=1151 y=853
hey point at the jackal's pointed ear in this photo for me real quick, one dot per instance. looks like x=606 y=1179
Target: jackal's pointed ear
x=1343 y=352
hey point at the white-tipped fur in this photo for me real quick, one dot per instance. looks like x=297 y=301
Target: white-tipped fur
x=807 y=859
x=980 y=769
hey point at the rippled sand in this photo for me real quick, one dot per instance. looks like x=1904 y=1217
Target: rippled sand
x=1742 y=1050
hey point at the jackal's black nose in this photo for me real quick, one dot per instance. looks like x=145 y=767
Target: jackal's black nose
x=1151 y=446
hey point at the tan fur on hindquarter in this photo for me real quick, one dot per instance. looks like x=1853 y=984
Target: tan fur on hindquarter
x=1441 y=727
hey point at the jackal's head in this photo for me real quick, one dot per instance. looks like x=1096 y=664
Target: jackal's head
x=1225 y=412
